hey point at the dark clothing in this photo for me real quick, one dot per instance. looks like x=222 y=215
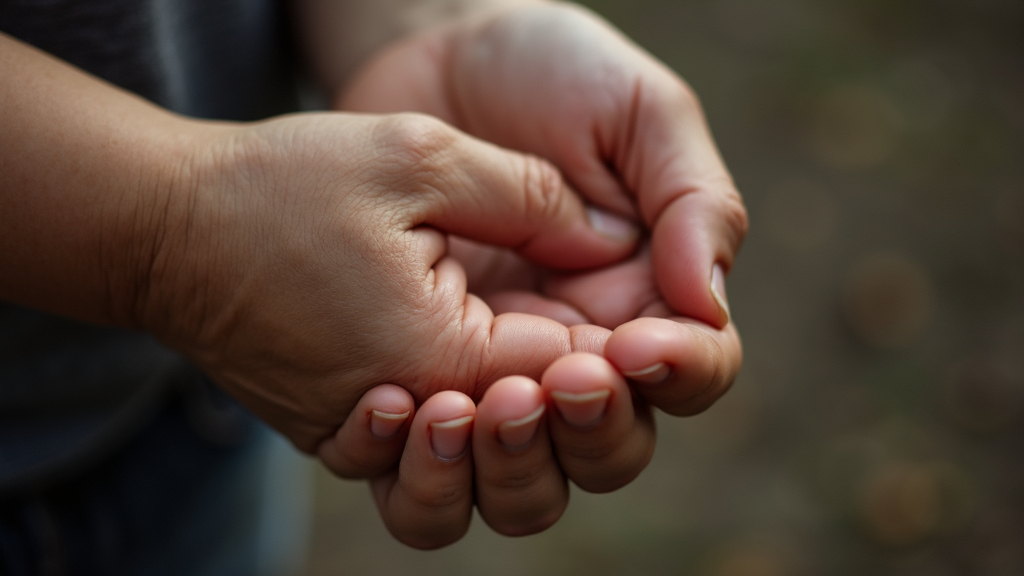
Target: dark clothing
x=116 y=456
x=223 y=59
x=71 y=392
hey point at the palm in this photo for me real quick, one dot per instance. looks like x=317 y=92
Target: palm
x=606 y=296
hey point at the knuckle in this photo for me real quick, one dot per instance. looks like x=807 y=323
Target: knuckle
x=428 y=533
x=613 y=473
x=358 y=464
x=676 y=94
x=609 y=481
x=610 y=467
x=736 y=217
x=526 y=526
x=438 y=498
x=717 y=382
x=517 y=480
x=687 y=98
x=417 y=141
x=589 y=455
x=542 y=189
x=429 y=536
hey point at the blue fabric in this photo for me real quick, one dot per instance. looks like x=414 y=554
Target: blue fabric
x=186 y=496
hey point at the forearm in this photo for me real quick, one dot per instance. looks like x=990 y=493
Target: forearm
x=340 y=36
x=86 y=178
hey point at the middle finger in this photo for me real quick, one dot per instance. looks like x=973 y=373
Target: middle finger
x=520 y=488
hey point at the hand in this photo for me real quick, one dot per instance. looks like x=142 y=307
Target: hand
x=630 y=136
x=510 y=454
x=304 y=260
x=556 y=81
x=518 y=462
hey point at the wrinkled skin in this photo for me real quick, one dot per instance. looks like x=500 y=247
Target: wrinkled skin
x=324 y=270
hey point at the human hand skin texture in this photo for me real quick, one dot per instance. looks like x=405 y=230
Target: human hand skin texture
x=305 y=260
x=629 y=135
x=298 y=261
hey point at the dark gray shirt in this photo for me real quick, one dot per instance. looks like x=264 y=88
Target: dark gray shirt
x=71 y=392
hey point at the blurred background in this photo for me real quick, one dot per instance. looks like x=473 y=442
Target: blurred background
x=878 y=424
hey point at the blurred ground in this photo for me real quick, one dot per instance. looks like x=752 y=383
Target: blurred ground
x=878 y=425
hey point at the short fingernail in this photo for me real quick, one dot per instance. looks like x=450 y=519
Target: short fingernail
x=582 y=410
x=611 y=225
x=517 y=434
x=384 y=425
x=718 y=289
x=449 y=439
x=654 y=374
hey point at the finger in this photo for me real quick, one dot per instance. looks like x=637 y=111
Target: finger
x=491 y=268
x=603 y=441
x=688 y=199
x=524 y=344
x=679 y=365
x=428 y=502
x=475 y=189
x=589 y=338
x=533 y=303
x=461 y=345
x=610 y=296
x=373 y=436
x=402 y=78
x=519 y=487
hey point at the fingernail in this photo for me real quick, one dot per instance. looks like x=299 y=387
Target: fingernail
x=517 y=434
x=449 y=439
x=384 y=425
x=651 y=375
x=582 y=410
x=718 y=289
x=611 y=225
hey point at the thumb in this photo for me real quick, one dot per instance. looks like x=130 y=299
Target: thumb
x=686 y=195
x=485 y=193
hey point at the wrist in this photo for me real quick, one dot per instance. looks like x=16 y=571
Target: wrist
x=149 y=235
x=88 y=176
x=168 y=234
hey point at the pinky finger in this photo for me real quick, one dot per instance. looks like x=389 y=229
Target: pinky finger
x=428 y=501
x=371 y=440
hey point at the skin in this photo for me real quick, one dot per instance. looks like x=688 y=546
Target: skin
x=259 y=250
x=321 y=265
x=631 y=138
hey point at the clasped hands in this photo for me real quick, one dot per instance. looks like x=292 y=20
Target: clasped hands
x=471 y=303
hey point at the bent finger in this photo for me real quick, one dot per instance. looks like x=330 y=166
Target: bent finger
x=602 y=438
x=687 y=197
x=680 y=365
x=373 y=436
x=519 y=486
x=477 y=190
x=428 y=502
